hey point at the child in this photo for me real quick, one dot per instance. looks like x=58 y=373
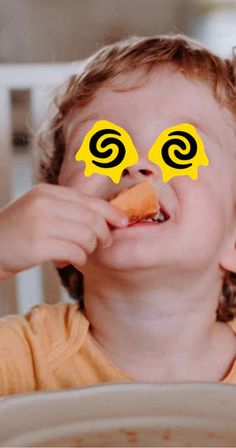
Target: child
x=150 y=298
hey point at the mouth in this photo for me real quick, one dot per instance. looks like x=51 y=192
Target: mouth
x=142 y=205
x=160 y=218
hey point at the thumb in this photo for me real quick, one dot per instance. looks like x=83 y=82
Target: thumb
x=61 y=264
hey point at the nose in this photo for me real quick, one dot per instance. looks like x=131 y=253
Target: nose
x=142 y=169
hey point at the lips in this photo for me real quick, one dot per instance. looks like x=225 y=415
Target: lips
x=160 y=218
x=163 y=210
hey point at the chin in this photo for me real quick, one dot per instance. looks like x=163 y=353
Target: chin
x=120 y=256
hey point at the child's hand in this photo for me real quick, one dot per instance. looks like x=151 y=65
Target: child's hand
x=52 y=222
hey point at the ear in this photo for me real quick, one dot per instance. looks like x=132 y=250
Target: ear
x=228 y=253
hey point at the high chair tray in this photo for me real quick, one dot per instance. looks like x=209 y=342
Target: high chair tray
x=122 y=415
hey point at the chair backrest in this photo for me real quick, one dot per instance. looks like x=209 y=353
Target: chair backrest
x=39 y=284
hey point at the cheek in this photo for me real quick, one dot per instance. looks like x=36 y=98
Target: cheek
x=95 y=185
x=203 y=217
x=71 y=172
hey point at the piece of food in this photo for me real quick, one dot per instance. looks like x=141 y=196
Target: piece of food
x=138 y=202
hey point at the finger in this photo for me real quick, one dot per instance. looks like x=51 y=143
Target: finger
x=70 y=210
x=69 y=213
x=58 y=191
x=81 y=234
x=62 y=193
x=58 y=250
x=110 y=213
x=61 y=264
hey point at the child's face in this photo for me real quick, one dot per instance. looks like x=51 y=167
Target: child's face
x=202 y=210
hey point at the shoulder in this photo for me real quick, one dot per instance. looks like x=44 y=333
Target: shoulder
x=62 y=313
x=33 y=344
x=49 y=323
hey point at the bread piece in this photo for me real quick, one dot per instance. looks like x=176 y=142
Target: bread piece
x=138 y=202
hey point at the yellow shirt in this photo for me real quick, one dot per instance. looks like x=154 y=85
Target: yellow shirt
x=50 y=348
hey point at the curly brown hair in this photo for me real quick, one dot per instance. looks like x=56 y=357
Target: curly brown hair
x=122 y=57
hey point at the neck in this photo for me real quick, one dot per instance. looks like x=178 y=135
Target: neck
x=171 y=323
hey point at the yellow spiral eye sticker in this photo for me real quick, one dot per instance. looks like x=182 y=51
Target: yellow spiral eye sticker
x=107 y=149
x=179 y=151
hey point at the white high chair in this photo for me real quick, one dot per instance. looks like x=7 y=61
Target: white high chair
x=39 y=284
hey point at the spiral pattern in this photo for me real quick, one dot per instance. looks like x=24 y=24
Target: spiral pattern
x=192 y=149
x=93 y=146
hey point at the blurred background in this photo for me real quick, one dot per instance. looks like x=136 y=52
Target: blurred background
x=38 y=41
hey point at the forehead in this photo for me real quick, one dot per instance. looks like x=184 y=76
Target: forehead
x=165 y=95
